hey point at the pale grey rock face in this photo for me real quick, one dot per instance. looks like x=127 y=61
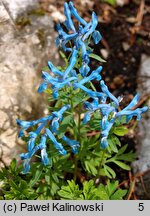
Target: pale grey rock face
x=17 y=7
x=23 y=53
x=143 y=147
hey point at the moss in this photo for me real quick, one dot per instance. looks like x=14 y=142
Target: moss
x=23 y=21
x=41 y=36
x=37 y=12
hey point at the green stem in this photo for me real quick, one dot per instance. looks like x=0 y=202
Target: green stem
x=76 y=136
x=100 y=165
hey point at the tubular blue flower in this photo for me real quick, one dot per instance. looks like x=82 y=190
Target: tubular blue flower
x=73 y=73
x=94 y=106
x=26 y=166
x=88 y=91
x=55 y=125
x=104 y=123
x=134 y=102
x=72 y=143
x=96 y=36
x=68 y=22
x=106 y=110
x=73 y=60
x=57 y=145
x=57 y=116
x=94 y=75
x=55 y=94
x=107 y=127
x=42 y=87
x=107 y=92
x=75 y=14
x=93 y=26
x=44 y=157
x=84 y=70
x=104 y=143
x=21 y=133
x=63 y=37
x=137 y=112
x=33 y=136
x=24 y=124
x=48 y=78
x=31 y=142
x=61 y=111
x=54 y=70
x=87 y=117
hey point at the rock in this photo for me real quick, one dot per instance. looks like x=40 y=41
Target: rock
x=17 y=7
x=24 y=52
x=125 y=46
x=143 y=147
x=104 y=53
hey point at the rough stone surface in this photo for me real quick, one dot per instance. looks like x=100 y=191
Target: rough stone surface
x=143 y=148
x=23 y=52
x=17 y=7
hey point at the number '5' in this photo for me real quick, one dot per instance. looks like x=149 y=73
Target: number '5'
x=141 y=206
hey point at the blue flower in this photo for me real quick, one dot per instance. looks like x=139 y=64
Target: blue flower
x=96 y=36
x=92 y=27
x=57 y=116
x=24 y=124
x=26 y=166
x=94 y=75
x=87 y=117
x=134 y=102
x=69 y=23
x=107 y=92
x=72 y=143
x=44 y=157
x=54 y=70
x=73 y=60
x=104 y=143
x=84 y=70
x=63 y=37
x=57 y=145
x=76 y=15
x=79 y=36
x=130 y=113
x=42 y=87
x=91 y=93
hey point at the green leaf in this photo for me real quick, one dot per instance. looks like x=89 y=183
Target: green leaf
x=36 y=176
x=97 y=57
x=89 y=191
x=111 y=2
x=90 y=167
x=13 y=165
x=122 y=165
x=111 y=187
x=122 y=150
x=64 y=124
x=119 y=194
x=102 y=192
x=120 y=131
x=64 y=57
x=127 y=157
x=70 y=192
x=110 y=171
x=112 y=145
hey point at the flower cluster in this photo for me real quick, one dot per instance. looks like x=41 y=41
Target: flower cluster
x=50 y=125
x=76 y=78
